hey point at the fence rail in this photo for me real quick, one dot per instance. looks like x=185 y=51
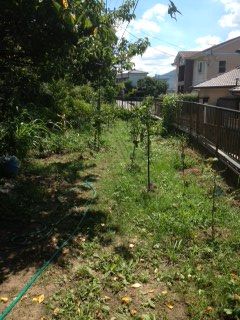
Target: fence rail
x=216 y=128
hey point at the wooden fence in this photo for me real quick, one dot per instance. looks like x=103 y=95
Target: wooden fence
x=216 y=128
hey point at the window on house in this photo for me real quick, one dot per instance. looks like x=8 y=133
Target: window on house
x=222 y=66
x=181 y=73
x=200 y=66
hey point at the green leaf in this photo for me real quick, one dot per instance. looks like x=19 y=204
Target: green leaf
x=228 y=311
x=57 y=6
x=87 y=23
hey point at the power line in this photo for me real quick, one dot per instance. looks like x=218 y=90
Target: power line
x=169 y=54
x=172 y=44
x=129 y=21
x=148 y=35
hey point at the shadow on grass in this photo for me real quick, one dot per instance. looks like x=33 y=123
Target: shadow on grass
x=41 y=209
x=124 y=252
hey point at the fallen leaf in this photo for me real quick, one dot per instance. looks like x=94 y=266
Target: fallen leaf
x=56 y=311
x=164 y=292
x=170 y=306
x=147 y=292
x=136 y=285
x=107 y=298
x=209 y=309
x=126 y=300
x=39 y=298
x=133 y=312
x=65 y=251
x=234 y=276
x=236 y=297
x=4 y=299
x=150 y=291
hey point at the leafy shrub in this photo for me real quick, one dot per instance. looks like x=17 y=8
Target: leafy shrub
x=170 y=105
x=67 y=104
x=188 y=97
x=20 y=136
x=59 y=142
x=28 y=135
x=123 y=114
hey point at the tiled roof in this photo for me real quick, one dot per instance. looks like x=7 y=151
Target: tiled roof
x=184 y=55
x=227 y=79
x=187 y=54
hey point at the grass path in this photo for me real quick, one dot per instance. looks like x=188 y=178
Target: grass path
x=139 y=255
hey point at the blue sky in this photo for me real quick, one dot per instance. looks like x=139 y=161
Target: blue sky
x=204 y=23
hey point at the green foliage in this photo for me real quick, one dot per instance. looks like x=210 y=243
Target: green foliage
x=21 y=135
x=27 y=136
x=169 y=105
x=169 y=108
x=151 y=87
x=192 y=97
x=47 y=70
x=59 y=143
x=176 y=228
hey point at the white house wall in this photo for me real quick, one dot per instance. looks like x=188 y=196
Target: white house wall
x=199 y=77
x=225 y=52
x=135 y=77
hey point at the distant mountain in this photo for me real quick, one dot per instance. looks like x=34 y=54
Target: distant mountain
x=170 y=78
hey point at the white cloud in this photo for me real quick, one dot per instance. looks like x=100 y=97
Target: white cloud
x=143 y=25
x=233 y=34
x=158 y=11
x=206 y=42
x=232 y=17
x=150 y=19
x=156 y=60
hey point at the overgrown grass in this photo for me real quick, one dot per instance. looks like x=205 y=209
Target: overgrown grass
x=160 y=240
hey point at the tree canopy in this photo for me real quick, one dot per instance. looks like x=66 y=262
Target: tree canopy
x=151 y=87
x=45 y=40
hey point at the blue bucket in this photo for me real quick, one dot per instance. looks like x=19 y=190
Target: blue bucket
x=9 y=166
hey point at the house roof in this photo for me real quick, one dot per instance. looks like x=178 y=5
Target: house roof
x=196 y=54
x=184 y=55
x=200 y=53
x=137 y=71
x=187 y=54
x=227 y=79
x=125 y=74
